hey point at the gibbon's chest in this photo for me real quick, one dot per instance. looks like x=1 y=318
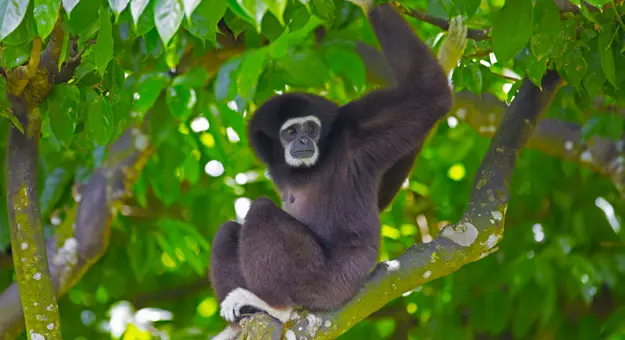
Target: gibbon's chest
x=295 y=201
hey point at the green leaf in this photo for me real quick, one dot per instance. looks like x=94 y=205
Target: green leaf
x=114 y=76
x=252 y=67
x=12 y=13
x=605 y=51
x=100 y=121
x=46 y=12
x=24 y=33
x=205 y=19
x=180 y=101
x=225 y=87
x=513 y=90
x=118 y=6
x=476 y=80
x=69 y=5
x=136 y=9
x=306 y=68
x=509 y=37
x=53 y=190
x=595 y=77
x=64 y=49
x=324 y=9
x=104 y=42
x=546 y=28
x=190 y=169
x=191 y=5
x=576 y=67
x=168 y=16
x=277 y=7
x=13 y=56
x=63 y=105
x=195 y=77
x=535 y=69
x=9 y=115
x=149 y=88
x=251 y=11
x=468 y=7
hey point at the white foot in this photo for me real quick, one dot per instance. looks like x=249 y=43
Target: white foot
x=236 y=299
x=227 y=334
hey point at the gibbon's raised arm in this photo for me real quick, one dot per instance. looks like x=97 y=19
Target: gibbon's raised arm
x=390 y=122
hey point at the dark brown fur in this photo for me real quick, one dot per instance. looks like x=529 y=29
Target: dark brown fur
x=318 y=252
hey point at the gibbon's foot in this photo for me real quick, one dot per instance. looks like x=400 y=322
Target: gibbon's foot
x=458 y=34
x=242 y=300
x=229 y=333
x=366 y=5
x=453 y=46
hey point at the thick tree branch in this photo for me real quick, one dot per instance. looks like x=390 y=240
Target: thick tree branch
x=96 y=210
x=474 y=237
x=554 y=137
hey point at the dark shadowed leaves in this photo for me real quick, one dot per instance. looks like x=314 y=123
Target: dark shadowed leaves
x=512 y=27
x=605 y=51
x=100 y=120
x=546 y=28
x=63 y=105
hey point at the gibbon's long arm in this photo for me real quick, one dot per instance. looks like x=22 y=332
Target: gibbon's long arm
x=391 y=122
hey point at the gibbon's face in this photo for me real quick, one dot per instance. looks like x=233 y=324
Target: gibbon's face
x=299 y=137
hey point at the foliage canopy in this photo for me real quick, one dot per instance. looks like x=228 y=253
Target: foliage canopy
x=182 y=77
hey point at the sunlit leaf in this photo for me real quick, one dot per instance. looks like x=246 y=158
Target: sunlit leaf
x=277 y=7
x=69 y=5
x=191 y=5
x=136 y=9
x=168 y=16
x=12 y=13
x=118 y=6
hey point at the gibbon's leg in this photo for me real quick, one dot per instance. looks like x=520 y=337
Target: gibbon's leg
x=225 y=270
x=276 y=253
x=284 y=266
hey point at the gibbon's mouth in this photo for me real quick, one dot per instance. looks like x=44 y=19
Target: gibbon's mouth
x=303 y=153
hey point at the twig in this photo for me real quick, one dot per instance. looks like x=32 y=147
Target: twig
x=475 y=34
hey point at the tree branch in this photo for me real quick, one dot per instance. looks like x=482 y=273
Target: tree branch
x=474 y=237
x=96 y=209
x=553 y=137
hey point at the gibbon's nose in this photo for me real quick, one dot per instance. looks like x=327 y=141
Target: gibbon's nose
x=303 y=141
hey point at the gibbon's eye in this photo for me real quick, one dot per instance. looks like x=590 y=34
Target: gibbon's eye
x=310 y=128
x=291 y=131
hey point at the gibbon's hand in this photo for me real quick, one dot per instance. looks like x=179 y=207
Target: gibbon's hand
x=366 y=5
x=453 y=46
